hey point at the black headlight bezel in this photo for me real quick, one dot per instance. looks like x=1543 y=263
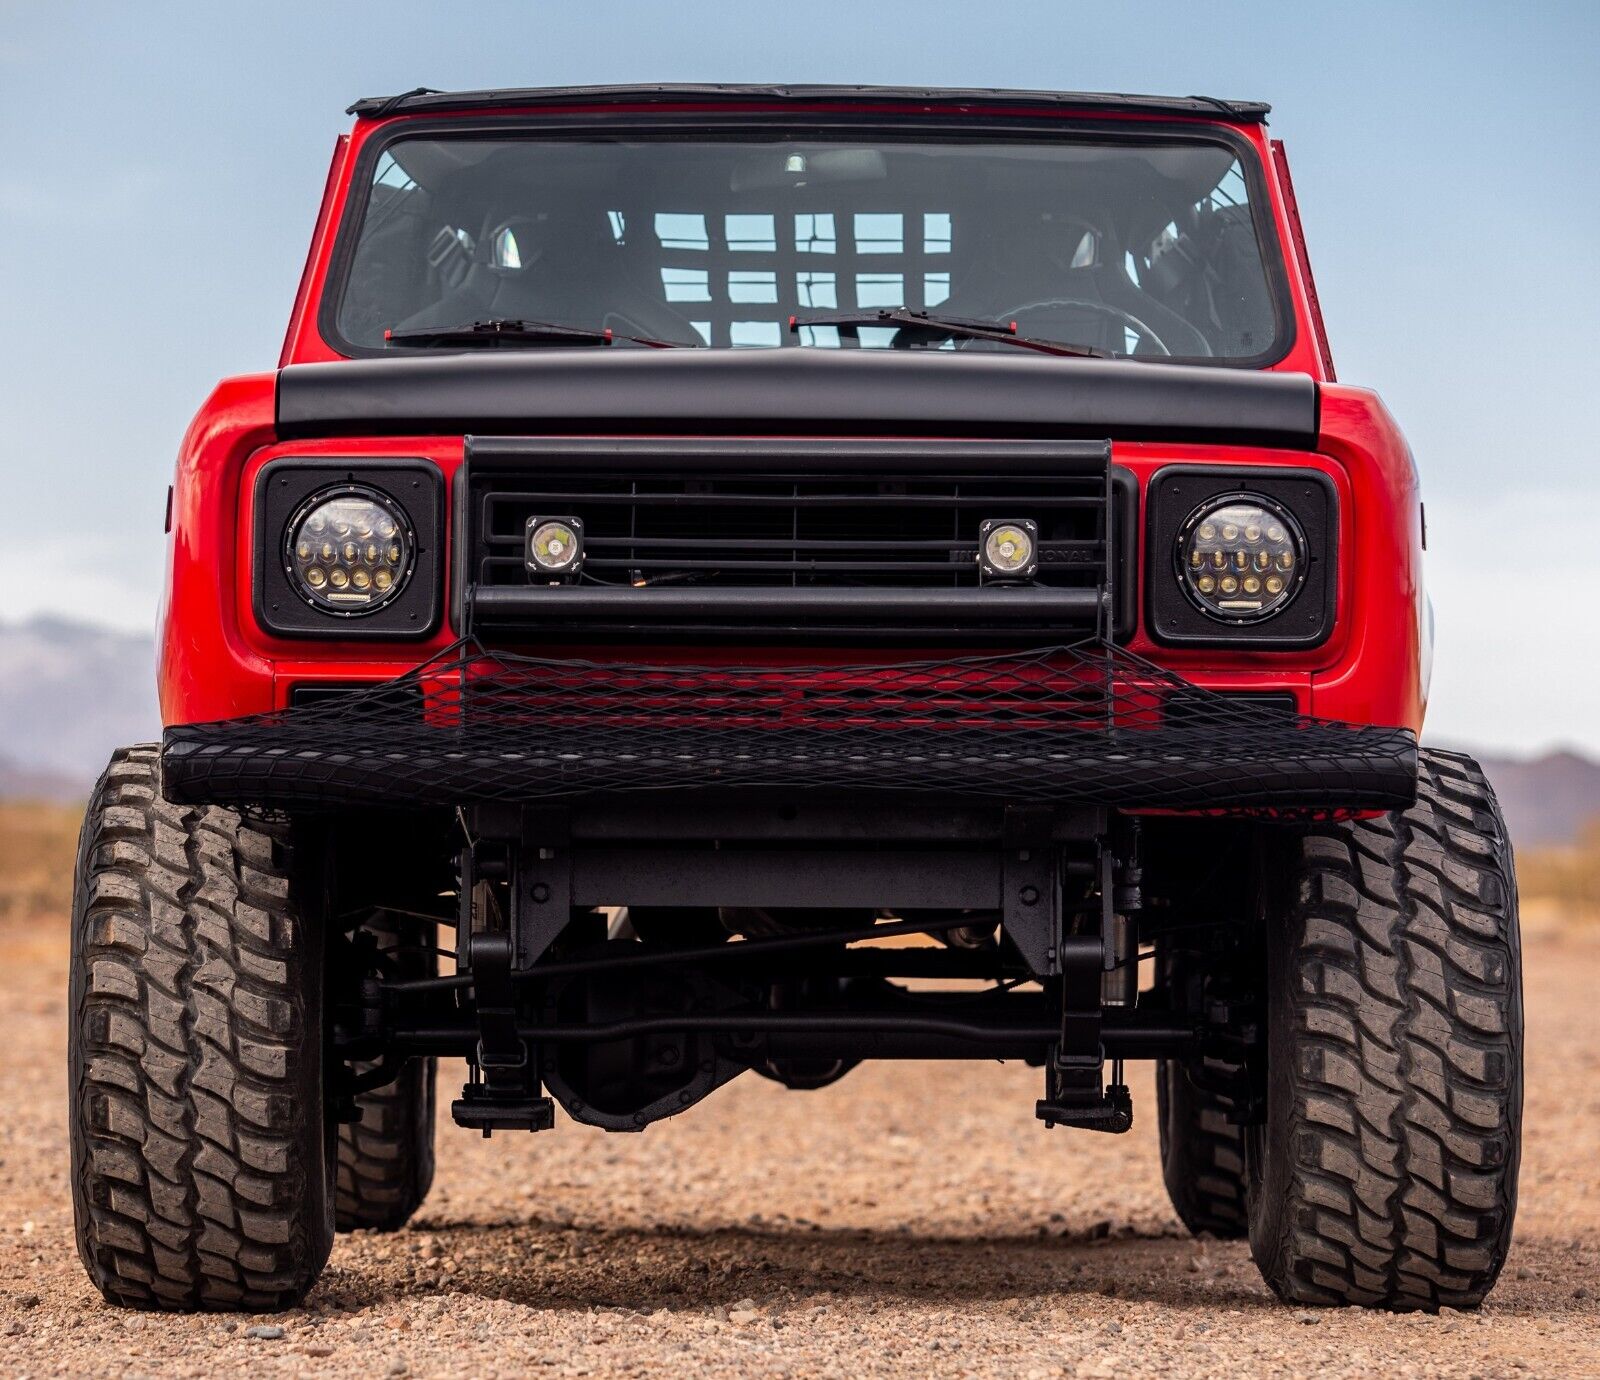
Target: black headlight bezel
x=285 y=487
x=1308 y=497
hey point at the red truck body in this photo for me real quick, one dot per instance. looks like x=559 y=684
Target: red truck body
x=695 y=534
x=217 y=662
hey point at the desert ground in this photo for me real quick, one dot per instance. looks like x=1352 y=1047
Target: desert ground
x=911 y=1220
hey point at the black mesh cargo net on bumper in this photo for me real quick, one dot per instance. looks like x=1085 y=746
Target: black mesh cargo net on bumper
x=1084 y=724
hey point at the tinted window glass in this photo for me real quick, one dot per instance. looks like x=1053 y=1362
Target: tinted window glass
x=1142 y=249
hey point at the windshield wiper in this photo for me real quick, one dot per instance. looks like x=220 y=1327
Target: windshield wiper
x=943 y=328
x=510 y=332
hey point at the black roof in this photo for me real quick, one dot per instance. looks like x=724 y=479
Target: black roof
x=425 y=99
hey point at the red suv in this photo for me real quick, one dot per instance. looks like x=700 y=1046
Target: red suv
x=695 y=534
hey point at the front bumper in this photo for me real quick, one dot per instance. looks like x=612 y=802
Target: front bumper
x=1088 y=724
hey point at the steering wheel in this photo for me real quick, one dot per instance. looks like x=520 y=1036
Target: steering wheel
x=1125 y=318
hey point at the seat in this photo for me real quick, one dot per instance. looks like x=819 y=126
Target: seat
x=566 y=268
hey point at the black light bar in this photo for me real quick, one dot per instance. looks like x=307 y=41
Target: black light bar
x=503 y=605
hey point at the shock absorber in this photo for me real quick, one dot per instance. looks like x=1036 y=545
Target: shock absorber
x=1119 y=985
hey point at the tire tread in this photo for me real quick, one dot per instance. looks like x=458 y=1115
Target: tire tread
x=385 y=1165
x=1399 y=976
x=1202 y=1155
x=199 y=1181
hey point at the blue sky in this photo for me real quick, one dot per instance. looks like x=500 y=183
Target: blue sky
x=162 y=164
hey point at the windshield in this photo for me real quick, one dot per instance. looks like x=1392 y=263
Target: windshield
x=1146 y=249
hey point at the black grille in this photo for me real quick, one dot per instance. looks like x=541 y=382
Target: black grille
x=712 y=526
x=641 y=529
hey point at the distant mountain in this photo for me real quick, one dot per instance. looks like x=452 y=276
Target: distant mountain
x=70 y=693
x=1546 y=799
x=40 y=784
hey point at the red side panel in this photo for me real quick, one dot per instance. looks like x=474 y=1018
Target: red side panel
x=206 y=671
x=1383 y=678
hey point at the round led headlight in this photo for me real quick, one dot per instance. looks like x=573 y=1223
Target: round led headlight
x=1241 y=557
x=555 y=546
x=1008 y=550
x=349 y=550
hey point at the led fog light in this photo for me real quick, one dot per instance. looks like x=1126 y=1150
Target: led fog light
x=1008 y=549
x=1241 y=558
x=349 y=550
x=555 y=546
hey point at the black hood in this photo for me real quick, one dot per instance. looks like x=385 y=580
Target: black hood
x=796 y=392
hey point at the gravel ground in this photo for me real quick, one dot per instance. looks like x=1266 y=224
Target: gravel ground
x=912 y=1220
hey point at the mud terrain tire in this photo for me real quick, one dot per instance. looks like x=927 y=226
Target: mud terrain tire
x=1202 y=1155
x=1386 y=1173
x=201 y=1149
x=386 y=1158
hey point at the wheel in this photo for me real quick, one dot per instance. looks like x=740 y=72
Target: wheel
x=385 y=1164
x=1386 y=1171
x=202 y=1152
x=1202 y=1145
x=1202 y=1154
